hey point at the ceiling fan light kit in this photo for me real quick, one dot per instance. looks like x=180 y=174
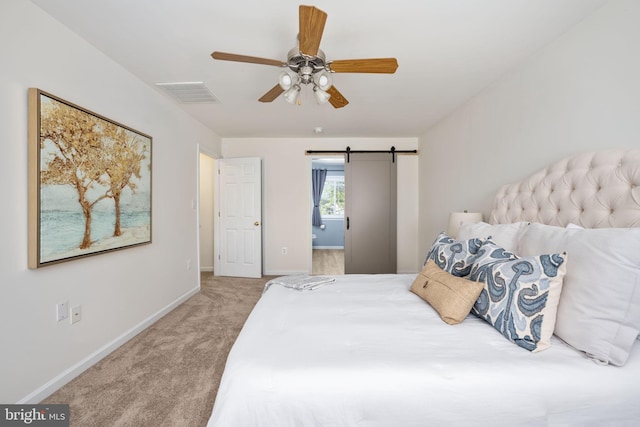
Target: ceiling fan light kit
x=290 y=83
x=308 y=64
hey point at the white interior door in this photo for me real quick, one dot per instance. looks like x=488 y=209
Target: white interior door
x=240 y=218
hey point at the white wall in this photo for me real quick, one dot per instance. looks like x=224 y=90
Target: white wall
x=286 y=171
x=120 y=292
x=579 y=93
x=206 y=212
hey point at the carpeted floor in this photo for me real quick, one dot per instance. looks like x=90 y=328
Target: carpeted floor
x=167 y=375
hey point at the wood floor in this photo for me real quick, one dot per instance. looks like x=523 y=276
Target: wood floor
x=328 y=262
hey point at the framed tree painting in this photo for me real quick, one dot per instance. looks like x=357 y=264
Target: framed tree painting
x=89 y=182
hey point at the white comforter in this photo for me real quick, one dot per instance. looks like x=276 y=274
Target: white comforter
x=364 y=351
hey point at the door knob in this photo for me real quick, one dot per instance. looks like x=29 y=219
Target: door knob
x=257 y=223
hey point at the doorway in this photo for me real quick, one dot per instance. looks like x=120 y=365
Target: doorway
x=206 y=195
x=354 y=221
x=327 y=237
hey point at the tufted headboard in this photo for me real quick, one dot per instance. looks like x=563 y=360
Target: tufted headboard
x=595 y=190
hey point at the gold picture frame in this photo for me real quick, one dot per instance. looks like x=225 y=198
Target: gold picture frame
x=89 y=182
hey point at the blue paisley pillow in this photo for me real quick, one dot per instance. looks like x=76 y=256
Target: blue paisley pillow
x=454 y=257
x=520 y=296
x=489 y=253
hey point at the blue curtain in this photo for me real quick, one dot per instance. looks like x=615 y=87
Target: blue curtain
x=318 y=177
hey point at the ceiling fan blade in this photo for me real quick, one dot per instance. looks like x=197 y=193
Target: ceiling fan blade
x=372 y=65
x=273 y=93
x=337 y=100
x=312 y=22
x=244 y=58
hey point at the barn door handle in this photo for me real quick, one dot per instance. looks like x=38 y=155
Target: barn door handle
x=347 y=223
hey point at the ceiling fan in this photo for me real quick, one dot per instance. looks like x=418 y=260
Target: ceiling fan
x=307 y=64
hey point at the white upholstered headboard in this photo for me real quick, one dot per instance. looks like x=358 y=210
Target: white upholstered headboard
x=595 y=190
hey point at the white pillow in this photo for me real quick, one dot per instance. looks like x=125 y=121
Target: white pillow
x=504 y=235
x=599 y=310
x=572 y=225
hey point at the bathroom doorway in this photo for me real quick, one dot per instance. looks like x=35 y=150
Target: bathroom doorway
x=327 y=236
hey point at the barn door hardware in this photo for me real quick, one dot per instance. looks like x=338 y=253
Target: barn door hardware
x=349 y=151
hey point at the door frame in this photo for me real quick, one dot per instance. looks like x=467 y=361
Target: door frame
x=310 y=160
x=215 y=156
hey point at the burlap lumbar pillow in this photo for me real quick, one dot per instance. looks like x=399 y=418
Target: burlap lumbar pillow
x=452 y=297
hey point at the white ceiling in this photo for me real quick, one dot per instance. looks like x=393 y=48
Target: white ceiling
x=447 y=51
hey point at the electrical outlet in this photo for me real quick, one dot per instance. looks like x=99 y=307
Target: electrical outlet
x=62 y=311
x=284 y=250
x=76 y=314
x=188 y=264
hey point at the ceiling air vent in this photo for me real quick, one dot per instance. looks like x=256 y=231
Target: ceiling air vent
x=189 y=92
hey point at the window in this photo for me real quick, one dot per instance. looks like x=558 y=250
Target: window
x=332 y=201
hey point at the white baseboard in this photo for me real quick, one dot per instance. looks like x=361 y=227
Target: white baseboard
x=328 y=247
x=284 y=273
x=206 y=269
x=64 y=377
x=293 y=273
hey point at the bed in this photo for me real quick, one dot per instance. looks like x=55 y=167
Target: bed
x=367 y=350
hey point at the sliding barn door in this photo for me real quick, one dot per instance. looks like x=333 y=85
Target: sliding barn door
x=240 y=218
x=370 y=211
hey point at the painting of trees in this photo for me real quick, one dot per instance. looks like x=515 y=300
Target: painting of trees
x=103 y=163
x=80 y=158
x=124 y=161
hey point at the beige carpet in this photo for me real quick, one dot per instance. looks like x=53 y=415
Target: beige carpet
x=167 y=375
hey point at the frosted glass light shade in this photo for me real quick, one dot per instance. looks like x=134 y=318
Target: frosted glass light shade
x=322 y=80
x=285 y=80
x=457 y=218
x=291 y=95
x=321 y=96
